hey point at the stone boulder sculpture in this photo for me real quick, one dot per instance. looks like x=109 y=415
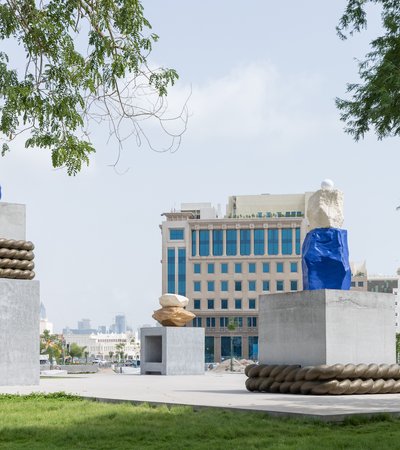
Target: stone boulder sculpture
x=173 y=312
x=325 y=261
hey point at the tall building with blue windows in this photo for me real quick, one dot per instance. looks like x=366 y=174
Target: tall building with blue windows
x=223 y=263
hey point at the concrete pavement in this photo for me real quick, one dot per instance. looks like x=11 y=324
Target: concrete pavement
x=221 y=390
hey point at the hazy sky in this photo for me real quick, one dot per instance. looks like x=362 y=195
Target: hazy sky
x=263 y=76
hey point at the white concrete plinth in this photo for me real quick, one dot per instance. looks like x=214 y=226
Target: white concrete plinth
x=19 y=332
x=12 y=221
x=172 y=351
x=327 y=327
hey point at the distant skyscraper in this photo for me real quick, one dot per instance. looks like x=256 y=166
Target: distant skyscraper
x=120 y=323
x=84 y=324
x=102 y=329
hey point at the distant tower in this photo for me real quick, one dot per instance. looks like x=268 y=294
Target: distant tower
x=120 y=323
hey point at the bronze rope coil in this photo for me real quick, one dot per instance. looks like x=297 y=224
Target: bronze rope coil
x=337 y=379
x=16 y=259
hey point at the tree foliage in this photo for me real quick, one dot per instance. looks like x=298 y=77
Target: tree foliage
x=51 y=344
x=85 y=59
x=375 y=101
x=75 y=351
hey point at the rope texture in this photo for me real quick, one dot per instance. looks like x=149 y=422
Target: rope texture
x=16 y=259
x=337 y=379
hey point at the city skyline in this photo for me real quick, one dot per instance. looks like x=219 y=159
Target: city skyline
x=262 y=119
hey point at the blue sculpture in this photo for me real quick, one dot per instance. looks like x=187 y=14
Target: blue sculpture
x=325 y=260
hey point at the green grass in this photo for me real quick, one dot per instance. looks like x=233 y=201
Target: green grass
x=60 y=421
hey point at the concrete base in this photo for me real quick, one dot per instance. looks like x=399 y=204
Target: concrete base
x=172 y=351
x=19 y=332
x=327 y=327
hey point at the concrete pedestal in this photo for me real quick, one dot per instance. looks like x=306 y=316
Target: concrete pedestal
x=19 y=332
x=327 y=327
x=172 y=351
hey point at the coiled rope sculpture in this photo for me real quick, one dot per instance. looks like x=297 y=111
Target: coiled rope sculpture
x=338 y=379
x=16 y=259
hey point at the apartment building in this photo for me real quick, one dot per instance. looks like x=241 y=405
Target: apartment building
x=223 y=263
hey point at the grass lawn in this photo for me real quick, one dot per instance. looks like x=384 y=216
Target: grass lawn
x=59 y=421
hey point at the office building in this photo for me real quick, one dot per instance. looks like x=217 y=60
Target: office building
x=120 y=323
x=222 y=264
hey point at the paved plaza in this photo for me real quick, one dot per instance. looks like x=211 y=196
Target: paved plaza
x=221 y=390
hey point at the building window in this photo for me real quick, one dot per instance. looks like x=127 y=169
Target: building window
x=238 y=267
x=231 y=242
x=253 y=347
x=293 y=267
x=176 y=234
x=218 y=246
x=209 y=349
x=251 y=322
x=238 y=303
x=223 y=322
x=287 y=241
x=252 y=303
x=224 y=267
x=238 y=321
x=279 y=285
x=210 y=303
x=245 y=242
x=193 y=242
x=224 y=303
x=226 y=346
x=273 y=242
x=252 y=285
x=171 y=270
x=297 y=232
x=353 y=284
x=360 y=284
x=204 y=243
x=210 y=322
x=224 y=286
x=279 y=267
x=238 y=285
x=293 y=285
x=259 y=242
x=210 y=286
x=182 y=271
x=197 y=268
x=197 y=303
x=252 y=267
x=210 y=268
x=266 y=267
x=197 y=286
x=265 y=285
x=197 y=322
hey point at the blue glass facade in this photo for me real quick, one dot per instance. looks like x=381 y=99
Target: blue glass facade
x=297 y=232
x=176 y=234
x=273 y=242
x=182 y=271
x=245 y=242
x=194 y=242
x=231 y=242
x=287 y=241
x=204 y=243
x=218 y=243
x=171 y=270
x=259 y=242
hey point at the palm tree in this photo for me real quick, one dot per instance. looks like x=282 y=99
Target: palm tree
x=111 y=354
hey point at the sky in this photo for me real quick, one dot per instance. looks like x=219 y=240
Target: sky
x=262 y=78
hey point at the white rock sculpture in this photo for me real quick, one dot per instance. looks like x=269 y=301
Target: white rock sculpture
x=173 y=300
x=325 y=208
